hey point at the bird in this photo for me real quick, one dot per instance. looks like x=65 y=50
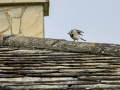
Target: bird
x=74 y=34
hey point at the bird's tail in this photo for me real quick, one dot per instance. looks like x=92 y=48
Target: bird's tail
x=82 y=39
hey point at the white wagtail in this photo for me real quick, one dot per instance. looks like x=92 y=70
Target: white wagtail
x=74 y=34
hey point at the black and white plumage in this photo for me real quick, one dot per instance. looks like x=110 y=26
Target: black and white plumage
x=74 y=34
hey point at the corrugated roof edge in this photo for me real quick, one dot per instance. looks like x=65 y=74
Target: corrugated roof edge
x=23 y=42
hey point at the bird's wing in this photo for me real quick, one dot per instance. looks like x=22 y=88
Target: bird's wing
x=77 y=31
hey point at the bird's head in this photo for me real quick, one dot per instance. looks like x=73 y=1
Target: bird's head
x=69 y=33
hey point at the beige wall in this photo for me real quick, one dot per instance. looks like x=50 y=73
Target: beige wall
x=23 y=20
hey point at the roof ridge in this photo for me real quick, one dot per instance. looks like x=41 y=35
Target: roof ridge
x=24 y=42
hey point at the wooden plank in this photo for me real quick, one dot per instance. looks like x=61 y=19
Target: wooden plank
x=111 y=82
x=85 y=70
x=36 y=87
x=61 y=61
x=96 y=86
x=45 y=67
x=65 y=57
x=10 y=75
x=45 y=63
x=10 y=68
x=37 y=79
x=5 y=49
x=43 y=82
x=55 y=67
x=27 y=71
x=106 y=74
x=58 y=74
x=73 y=82
x=99 y=78
x=54 y=64
x=84 y=61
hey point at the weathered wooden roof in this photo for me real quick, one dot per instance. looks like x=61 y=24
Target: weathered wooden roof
x=28 y=63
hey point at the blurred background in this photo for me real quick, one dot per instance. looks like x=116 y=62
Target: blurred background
x=99 y=19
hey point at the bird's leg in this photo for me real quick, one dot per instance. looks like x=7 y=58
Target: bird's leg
x=74 y=40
